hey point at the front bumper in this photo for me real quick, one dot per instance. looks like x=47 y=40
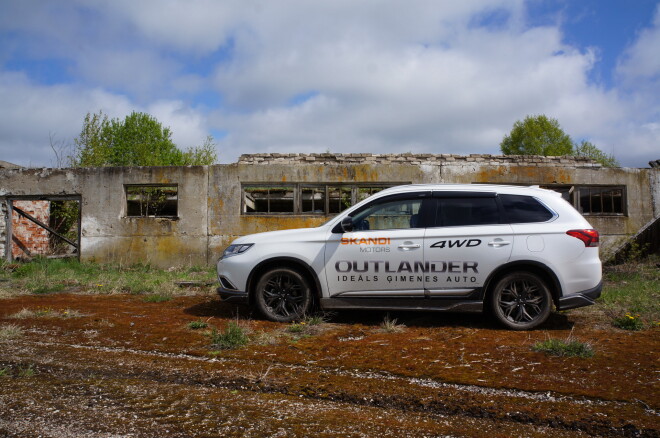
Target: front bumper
x=581 y=299
x=232 y=296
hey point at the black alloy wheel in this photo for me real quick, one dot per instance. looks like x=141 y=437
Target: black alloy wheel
x=283 y=295
x=521 y=301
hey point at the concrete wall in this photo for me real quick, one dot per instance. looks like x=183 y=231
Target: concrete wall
x=209 y=197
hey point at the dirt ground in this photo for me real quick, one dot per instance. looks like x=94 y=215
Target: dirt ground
x=117 y=366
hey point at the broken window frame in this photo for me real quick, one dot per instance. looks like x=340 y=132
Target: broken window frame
x=299 y=191
x=572 y=194
x=157 y=213
x=9 y=226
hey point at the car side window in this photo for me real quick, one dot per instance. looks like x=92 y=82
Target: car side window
x=521 y=209
x=452 y=212
x=388 y=215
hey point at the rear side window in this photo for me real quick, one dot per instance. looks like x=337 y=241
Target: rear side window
x=452 y=212
x=521 y=209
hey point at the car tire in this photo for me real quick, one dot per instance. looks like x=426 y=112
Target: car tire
x=521 y=301
x=283 y=295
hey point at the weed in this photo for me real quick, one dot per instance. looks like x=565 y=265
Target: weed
x=26 y=372
x=10 y=331
x=296 y=327
x=265 y=338
x=234 y=336
x=4 y=372
x=564 y=347
x=196 y=325
x=391 y=325
x=157 y=298
x=23 y=314
x=628 y=322
x=71 y=313
x=315 y=319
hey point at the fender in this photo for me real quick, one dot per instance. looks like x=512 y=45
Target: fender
x=555 y=286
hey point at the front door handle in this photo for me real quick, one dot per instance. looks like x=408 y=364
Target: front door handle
x=407 y=246
x=497 y=243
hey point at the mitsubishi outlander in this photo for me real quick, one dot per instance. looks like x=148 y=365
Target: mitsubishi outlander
x=514 y=252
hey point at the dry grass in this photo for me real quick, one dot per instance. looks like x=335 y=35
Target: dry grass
x=10 y=331
x=46 y=312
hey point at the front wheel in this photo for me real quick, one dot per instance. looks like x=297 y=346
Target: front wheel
x=521 y=301
x=283 y=295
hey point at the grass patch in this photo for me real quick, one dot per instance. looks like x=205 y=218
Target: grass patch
x=564 y=348
x=234 y=336
x=157 y=298
x=296 y=327
x=196 y=325
x=628 y=322
x=43 y=276
x=633 y=289
x=10 y=331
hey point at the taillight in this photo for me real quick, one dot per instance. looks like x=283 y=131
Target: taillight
x=589 y=237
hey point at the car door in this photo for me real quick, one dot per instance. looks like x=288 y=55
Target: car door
x=466 y=242
x=383 y=255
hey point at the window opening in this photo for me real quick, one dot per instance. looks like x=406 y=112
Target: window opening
x=149 y=200
x=302 y=198
x=268 y=199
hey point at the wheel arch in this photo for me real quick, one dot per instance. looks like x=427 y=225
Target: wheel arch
x=279 y=262
x=532 y=266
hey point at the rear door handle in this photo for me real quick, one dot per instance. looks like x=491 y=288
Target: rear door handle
x=407 y=246
x=498 y=243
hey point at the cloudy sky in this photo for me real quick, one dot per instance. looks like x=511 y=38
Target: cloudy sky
x=423 y=76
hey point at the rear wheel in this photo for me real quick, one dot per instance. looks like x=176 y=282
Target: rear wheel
x=521 y=301
x=283 y=295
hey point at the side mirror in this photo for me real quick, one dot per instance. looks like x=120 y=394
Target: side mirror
x=347 y=224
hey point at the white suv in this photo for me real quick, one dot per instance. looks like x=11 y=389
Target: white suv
x=513 y=251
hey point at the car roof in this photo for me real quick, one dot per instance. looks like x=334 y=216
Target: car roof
x=493 y=188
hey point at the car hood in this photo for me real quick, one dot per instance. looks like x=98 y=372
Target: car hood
x=297 y=235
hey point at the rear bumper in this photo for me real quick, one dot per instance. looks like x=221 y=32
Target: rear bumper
x=232 y=296
x=581 y=299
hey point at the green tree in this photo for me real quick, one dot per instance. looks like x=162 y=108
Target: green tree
x=138 y=140
x=540 y=135
x=589 y=150
x=537 y=135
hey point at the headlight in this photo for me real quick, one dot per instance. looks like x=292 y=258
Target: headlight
x=233 y=250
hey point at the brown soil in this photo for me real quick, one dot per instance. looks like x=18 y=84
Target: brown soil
x=131 y=368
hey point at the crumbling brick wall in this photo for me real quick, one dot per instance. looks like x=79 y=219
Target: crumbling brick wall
x=28 y=238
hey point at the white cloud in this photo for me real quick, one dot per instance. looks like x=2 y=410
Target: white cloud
x=31 y=113
x=641 y=60
x=187 y=125
x=295 y=75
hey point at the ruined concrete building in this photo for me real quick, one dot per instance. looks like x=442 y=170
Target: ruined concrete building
x=187 y=215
